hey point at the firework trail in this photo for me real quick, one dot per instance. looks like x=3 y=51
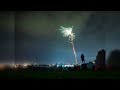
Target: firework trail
x=67 y=32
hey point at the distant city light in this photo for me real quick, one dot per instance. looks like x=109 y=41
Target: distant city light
x=25 y=64
x=15 y=66
x=93 y=61
x=69 y=65
x=65 y=65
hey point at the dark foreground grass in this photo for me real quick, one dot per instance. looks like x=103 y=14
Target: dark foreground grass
x=60 y=75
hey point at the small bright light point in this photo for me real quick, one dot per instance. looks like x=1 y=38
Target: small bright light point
x=94 y=62
x=25 y=65
x=15 y=66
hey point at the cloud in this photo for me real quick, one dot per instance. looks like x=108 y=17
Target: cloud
x=39 y=23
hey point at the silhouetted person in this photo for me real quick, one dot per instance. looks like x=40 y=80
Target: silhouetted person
x=82 y=58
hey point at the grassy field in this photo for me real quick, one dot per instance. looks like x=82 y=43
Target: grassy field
x=60 y=75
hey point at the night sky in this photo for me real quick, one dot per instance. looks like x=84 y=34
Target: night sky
x=33 y=36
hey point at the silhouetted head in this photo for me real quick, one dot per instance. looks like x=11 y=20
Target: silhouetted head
x=82 y=54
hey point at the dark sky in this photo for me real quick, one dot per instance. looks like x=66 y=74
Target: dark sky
x=33 y=36
x=7 y=42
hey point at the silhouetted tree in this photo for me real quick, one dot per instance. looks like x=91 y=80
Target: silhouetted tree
x=100 y=60
x=114 y=59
